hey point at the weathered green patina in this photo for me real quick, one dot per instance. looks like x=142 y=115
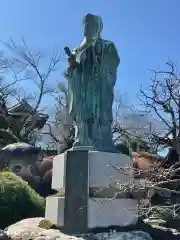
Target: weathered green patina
x=91 y=78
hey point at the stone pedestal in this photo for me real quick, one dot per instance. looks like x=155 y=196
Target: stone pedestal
x=74 y=173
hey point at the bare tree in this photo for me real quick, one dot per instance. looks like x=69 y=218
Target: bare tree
x=131 y=125
x=37 y=71
x=128 y=125
x=7 y=89
x=61 y=130
x=64 y=123
x=163 y=100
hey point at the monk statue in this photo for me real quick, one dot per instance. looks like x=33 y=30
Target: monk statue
x=91 y=78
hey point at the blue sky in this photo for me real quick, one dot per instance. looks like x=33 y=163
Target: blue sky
x=146 y=33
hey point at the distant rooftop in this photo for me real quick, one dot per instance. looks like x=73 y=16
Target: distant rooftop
x=24 y=105
x=23 y=109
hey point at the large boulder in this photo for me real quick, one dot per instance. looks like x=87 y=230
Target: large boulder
x=18 y=200
x=40 y=229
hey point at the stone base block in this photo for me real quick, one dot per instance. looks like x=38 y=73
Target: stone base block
x=107 y=212
x=100 y=212
x=104 y=168
x=55 y=210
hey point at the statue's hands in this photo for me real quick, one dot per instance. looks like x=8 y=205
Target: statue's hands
x=72 y=62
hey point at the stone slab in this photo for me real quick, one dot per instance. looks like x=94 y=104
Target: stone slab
x=104 y=169
x=55 y=210
x=100 y=212
x=112 y=212
x=58 y=172
x=109 y=168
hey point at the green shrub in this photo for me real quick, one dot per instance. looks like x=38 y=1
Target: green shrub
x=17 y=200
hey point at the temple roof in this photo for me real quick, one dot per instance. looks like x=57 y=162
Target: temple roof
x=24 y=106
x=23 y=109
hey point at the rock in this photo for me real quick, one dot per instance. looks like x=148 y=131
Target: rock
x=3 y=235
x=132 y=235
x=24 y=233
x=158 y=232
x=33 y=222
x=34 y=229
x=174 y=231
x=52 y=234
x=154 y=221
x=28 y=228
x=170 y=214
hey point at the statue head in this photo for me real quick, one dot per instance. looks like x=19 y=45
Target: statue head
x=93 y=26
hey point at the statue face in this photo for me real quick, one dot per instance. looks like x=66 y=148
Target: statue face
x=89 y=26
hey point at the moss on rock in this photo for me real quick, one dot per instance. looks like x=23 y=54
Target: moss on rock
x=17 y=200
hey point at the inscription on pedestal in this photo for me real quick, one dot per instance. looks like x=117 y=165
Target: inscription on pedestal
x=76 y=192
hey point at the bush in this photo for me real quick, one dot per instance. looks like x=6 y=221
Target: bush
x=17 y=200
